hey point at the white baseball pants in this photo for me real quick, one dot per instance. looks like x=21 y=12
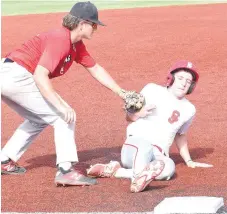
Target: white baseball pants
x=19 y=91
x=137 y=153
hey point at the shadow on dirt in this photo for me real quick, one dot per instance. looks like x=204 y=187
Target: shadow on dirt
x=104 y=155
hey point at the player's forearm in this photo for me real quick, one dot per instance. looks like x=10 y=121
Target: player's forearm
x=144 y=112
x=100 y=74
x=46 y=89
x=182 y=145
x=184 y=152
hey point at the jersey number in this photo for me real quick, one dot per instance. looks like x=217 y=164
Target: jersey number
x=174 y=117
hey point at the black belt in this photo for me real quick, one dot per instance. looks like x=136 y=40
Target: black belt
x=8 y=60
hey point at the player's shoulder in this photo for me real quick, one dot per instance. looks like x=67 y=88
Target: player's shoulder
x=58 y=38
x=60 y=33
x=190 y=106
x=152 y=89
x=154 y=86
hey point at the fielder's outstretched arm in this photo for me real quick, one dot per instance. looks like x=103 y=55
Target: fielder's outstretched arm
x=133 y=100
x=100 y=74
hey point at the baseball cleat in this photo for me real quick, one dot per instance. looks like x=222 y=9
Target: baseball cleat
x=143 y=179
x=104 y=170
x=9 y=167
x=74 y=178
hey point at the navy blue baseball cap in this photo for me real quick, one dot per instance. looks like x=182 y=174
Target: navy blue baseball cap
x=86 y=11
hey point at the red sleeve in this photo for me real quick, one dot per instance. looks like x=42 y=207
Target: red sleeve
x=54 y=51
x=83 y=57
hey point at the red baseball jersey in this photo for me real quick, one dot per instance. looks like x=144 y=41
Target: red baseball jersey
x=52 y=50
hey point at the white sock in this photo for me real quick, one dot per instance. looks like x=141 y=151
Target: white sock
x=65 y=165
x=3 y=157
x=123 y=173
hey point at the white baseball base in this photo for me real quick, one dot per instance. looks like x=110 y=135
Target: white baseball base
x=199 y=204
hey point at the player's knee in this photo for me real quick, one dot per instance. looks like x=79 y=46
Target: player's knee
x=168 y=170
x=146 y=149
x=136 y=148
x=62 y=123
x=37 y=125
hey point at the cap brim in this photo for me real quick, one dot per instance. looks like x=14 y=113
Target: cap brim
x=100 y=23
x=97 y=22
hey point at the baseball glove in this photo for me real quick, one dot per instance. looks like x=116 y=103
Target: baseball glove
x=134 y=101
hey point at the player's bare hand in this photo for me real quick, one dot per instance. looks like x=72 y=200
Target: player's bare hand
x=69 y=115
x=193 y=164
x=146 y=111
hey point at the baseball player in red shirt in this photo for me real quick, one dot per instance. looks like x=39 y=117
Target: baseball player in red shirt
x=27 y=89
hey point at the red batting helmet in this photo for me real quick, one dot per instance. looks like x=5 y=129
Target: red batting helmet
x=186 y=66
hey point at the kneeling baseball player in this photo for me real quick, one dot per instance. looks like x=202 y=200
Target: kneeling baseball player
x=27 y=89
x=165 y=117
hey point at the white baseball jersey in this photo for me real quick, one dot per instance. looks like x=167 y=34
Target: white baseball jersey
x=170 y=117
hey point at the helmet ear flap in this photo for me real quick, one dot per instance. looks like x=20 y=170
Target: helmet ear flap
x=191 y=88
x=170 y=80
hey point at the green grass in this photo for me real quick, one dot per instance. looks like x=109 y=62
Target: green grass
x=12 y=7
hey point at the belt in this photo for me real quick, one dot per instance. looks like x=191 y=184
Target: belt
x=8 y=60
x=159 y=148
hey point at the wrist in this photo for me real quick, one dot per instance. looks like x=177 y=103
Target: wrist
x=188 y=161
x=121 y=92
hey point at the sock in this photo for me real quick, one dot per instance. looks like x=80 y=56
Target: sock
x=4 y=158
x=123 y=173
x=65 y=166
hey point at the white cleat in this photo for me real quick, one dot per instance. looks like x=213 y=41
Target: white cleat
x=103 y=170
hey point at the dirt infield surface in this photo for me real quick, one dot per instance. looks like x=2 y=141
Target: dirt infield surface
x=136 y=47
